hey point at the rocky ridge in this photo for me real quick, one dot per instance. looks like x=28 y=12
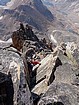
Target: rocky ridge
x=55 y=80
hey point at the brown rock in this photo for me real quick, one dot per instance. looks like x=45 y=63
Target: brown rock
x=18 y=40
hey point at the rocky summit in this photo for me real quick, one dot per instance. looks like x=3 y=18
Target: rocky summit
x=39 y=56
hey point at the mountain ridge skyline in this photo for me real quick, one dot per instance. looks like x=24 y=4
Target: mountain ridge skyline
x=32 y=12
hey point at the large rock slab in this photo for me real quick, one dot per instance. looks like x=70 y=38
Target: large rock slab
x=46 y=67
x=65 y=74
x=68 y=72
x=60 y=94
x=44 y=74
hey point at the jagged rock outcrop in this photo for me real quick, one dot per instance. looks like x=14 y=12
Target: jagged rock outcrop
x=19 y=38
x=24 y=38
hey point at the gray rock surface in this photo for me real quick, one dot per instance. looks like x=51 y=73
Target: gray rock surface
x=60 y=92
x=10 y=61
x=67 y=72
x=65 y=88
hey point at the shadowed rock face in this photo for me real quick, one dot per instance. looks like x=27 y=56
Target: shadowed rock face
x=6 y=89
x=43 y=10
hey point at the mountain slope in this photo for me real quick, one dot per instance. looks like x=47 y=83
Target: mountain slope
x=66 y=24
x=66 y=10
x=3 y=2
x=32 y=12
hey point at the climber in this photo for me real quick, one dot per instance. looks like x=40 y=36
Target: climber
x=35 y=62
x=28 y=27
x=22 y=27
x=30 y=64
x=44 y=40
x=50 y=46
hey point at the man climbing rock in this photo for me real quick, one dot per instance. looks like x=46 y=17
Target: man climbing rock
x=35 y=62
x=22 y=27
x=44 y=40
